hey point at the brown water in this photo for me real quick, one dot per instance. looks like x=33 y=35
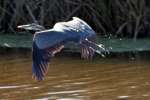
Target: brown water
x=70 y=78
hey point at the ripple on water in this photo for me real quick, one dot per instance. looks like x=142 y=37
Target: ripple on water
x=13 y=86
x=69 y=99
x=71 y=79
x=66 y=92
x=124 y=97
x=51 y=98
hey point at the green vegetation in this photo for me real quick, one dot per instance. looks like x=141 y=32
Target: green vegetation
x=17 y=41
x=112 y=44
x=121 y=18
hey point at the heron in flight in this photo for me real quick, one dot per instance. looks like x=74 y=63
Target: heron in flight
x=48 y=42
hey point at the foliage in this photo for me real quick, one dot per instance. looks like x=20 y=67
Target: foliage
x=122 y=18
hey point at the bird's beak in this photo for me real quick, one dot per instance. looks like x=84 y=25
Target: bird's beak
x=22 y=26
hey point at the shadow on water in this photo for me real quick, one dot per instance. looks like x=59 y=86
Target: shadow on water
x=71 y=78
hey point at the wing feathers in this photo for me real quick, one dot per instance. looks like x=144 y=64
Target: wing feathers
x=88 y=48
x=40 y=62
x=97 y=48
x=41 y=58
x=45 y=45
x=49 y=38
x=86 y=52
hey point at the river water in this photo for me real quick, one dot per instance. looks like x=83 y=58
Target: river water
x=72 y=78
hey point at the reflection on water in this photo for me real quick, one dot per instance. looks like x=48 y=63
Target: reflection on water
x=75 y=79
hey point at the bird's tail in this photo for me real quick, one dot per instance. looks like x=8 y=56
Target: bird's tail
x=32 y=27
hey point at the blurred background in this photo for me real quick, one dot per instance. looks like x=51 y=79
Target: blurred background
x=121 y=18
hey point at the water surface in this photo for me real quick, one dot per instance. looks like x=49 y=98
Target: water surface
x=72 y=78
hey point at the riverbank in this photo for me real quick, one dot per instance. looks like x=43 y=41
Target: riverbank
x=115 y=45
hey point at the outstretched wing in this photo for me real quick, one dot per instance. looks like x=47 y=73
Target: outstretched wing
x=89 y=47
x=45 y=45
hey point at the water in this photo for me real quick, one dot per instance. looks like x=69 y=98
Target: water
x=70 y=78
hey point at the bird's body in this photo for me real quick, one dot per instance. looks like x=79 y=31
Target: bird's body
x=47 y=43
x=75 y=30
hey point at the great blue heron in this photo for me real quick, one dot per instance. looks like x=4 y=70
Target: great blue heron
x=46 y=43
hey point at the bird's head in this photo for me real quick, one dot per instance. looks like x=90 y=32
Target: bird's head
x=31 y=27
